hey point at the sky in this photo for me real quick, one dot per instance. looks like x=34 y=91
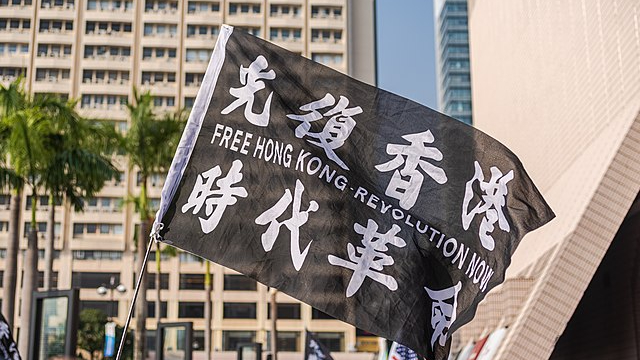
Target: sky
x=405 y=45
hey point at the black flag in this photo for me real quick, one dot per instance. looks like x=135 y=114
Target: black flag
x=370 y=207
x=315 y=350
x=8 y=348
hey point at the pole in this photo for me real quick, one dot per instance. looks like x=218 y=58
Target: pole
x=274 y=319
x=133 y=301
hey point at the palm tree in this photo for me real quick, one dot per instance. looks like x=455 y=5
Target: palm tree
x=12 y=99
x=150 y=143
x=29 y=153
x=77 y=170
x=168 y=251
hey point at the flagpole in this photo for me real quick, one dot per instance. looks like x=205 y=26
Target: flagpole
x=274 y=318
x=135 y=296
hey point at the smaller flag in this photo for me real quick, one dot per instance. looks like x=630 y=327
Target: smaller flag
x=8 y=349
x=109 y=338
x=401 y=352
x=315 y=350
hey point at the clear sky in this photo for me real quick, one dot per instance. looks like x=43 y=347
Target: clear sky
x=406 y=60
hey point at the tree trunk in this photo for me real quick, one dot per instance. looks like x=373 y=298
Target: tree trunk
x=140 y=344
x=158 y=268
x=29 y=285
x=48 y=249
x=10 y=275
x=207 y=310
x=274 y=320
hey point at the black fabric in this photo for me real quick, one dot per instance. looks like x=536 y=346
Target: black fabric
x=8 y=348
x=438 y=252
x=314 y=349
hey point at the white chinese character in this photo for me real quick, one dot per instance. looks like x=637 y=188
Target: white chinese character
x=443 y=314
x=411 y=156
x=203 y=193
x=368 y=260
x=493 y=200
x=298 y=218
x=335 y=131
x=250 y=77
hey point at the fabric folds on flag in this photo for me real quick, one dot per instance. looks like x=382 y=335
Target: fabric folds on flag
x=370 y=207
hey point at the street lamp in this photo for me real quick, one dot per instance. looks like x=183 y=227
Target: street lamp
x=104 y=288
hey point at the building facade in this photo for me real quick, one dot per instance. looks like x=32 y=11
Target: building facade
x=559 y=84
x=452 y=59
x=96 y=51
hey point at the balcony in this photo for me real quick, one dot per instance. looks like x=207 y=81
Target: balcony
x=110 y=14
x=20 y=11
x=108 y=62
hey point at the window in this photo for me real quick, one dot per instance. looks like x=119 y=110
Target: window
x=97 y=255
x=231 y=339
x=320 y=315
x=92 y=280
x=287 y=341
x=285 y=311
x=239 y=310
x=239 y=282
x=188 y=258
x=191 y=310
x=151 y=281
x=107 y=307
x=151 y=309
x=189 y=101
x=191 y=281
x=334 y=341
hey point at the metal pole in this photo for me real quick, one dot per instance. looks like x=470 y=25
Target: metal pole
x=133 y=301
x=274 y=319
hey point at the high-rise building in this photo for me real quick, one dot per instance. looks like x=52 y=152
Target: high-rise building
x=97 y=51
x=558 y=82
x=452 y=59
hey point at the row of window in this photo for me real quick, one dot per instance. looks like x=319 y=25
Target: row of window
x=232 y=282
x=198 y=55
x=99 y=101
x=236 y=8
x=202 y=7
x=64 y=4
x=108 y=27
x=285 y=34
x=285 y=10
x=158 y=53
x=105 y=76
x=14 y=25
x=160 y=6
x=53 y=50
x=15 y=2
x=109 y=5
x=52 y=74
x=80 y=229
x=326 y=12
x=55 y=26
x=161 y=30
x=202 y=31
x=101 y=51
x=326 y=35
x=155 y=77
x=13 y=48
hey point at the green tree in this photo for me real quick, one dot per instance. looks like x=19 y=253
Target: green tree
x=150 y=144
x=29 y=153
x=77 y=170
x=91 y=331
x=12 y=99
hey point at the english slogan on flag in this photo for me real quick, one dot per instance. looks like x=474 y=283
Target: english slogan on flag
x=370 y=207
